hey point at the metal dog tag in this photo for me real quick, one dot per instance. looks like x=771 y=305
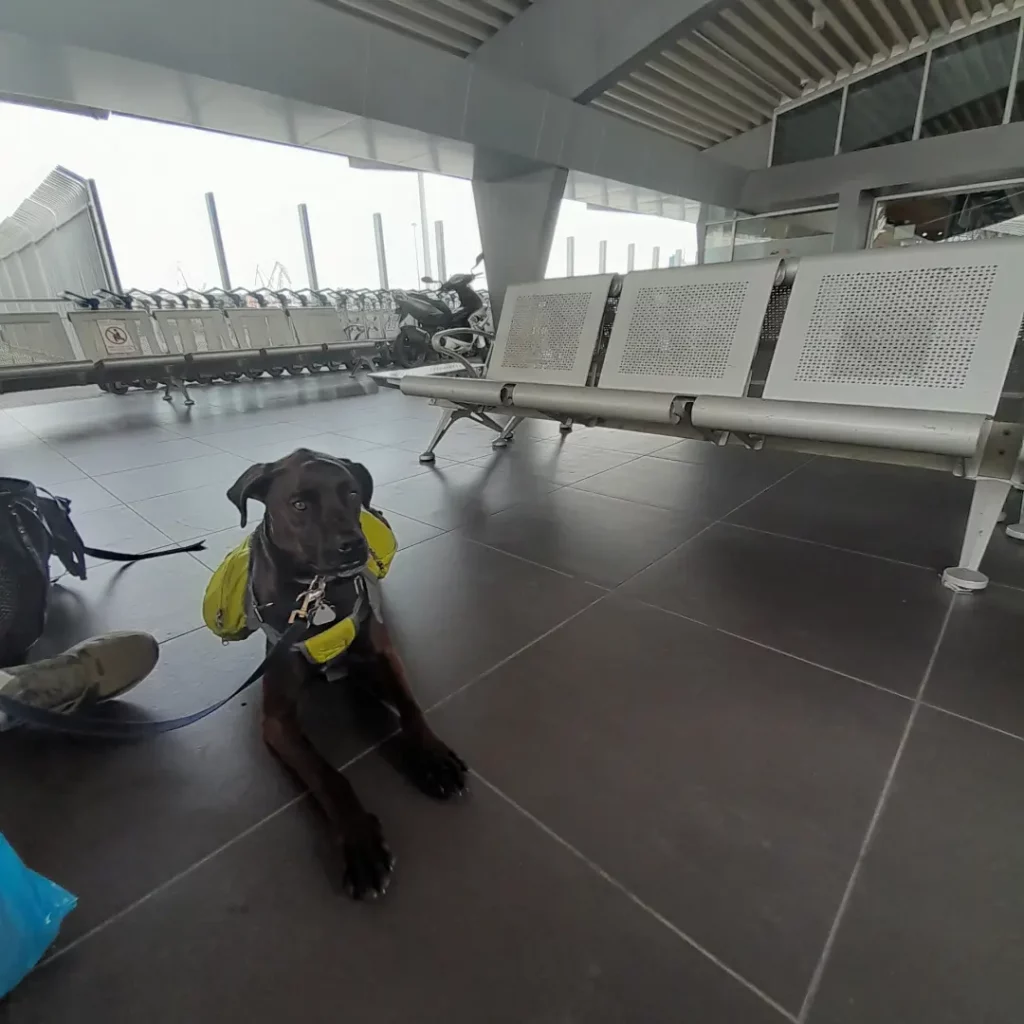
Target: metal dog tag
x=324 y=614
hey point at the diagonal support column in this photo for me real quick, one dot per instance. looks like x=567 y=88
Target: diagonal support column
x=517 y=204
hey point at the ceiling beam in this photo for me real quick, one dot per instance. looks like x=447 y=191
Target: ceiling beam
x=580 y=48
x=986 y=154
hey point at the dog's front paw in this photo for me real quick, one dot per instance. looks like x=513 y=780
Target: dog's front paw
x=434 y=767
x=368 y=861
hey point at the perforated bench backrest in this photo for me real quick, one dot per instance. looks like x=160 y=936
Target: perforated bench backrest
x=317 y=326
x=34 y=338
x=194 y=330
x=115 y=334
x=261 y=328
x=689 y=330
x=549 y=330
x=922 y=327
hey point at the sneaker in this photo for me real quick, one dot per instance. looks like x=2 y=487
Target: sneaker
x=95 y=670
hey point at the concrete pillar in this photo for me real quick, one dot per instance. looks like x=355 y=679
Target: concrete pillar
x=853 y=220
x=517 y=205
x=702 y=231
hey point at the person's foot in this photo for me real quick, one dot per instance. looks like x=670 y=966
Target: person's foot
x=95 y=670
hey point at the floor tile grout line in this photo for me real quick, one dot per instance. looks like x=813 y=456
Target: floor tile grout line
x=853 y=551
x=869 y=835
x=635 y=899
x=768 y=647
x=249 y=830
x=169 y=882
x=832 y=547
x=530 y=561
x=973 y=721
x=205 y=859
x=703 y=529
x=515 y=654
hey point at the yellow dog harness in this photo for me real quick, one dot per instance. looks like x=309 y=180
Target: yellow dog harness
x=229 y=609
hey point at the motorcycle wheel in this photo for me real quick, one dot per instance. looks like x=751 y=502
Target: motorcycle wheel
x=149 y=385
x=275 y=371
x=118 y=388
x=231 y=376
x=409 y=350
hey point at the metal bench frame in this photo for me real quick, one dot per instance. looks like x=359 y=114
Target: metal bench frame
x=854 y=373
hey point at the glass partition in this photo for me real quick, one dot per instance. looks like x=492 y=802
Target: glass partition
x=986 y=211
x=795 y=233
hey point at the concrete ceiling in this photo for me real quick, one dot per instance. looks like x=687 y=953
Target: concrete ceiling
x=725 y=74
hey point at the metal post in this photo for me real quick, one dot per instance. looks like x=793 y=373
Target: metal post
x=382 y=258
x=416 y=252
x=602 y=257
x=656 y=258
x=702 y=232
x=570 y=256
x=679 y=257
x=307 y=247
x=672 y=260
x=103 y=236
x=630 y=256
x=442 y=264
x=424 y=223
x=218 y=242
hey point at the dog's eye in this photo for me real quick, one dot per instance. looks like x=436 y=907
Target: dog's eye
x=299 y=506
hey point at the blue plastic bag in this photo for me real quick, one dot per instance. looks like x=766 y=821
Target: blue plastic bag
x=31 y=910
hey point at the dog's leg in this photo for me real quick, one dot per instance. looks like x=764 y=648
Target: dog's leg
x=430 y=763
x=368 y=861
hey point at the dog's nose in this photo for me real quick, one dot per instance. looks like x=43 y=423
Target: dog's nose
x=350 y=547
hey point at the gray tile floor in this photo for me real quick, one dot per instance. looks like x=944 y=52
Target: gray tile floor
x=738 y=756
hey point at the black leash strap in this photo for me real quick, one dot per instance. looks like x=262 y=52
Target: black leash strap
x=123 y=556
x=103 y=727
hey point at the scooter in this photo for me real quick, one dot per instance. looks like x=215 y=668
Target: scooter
x=423 y=314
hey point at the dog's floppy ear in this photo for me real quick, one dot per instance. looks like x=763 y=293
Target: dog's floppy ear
x=363 y=480
x=253 y=483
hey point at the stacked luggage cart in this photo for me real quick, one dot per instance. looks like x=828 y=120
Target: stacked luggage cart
x=174 y=339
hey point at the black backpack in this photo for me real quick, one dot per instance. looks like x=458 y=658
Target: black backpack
x=35 y=525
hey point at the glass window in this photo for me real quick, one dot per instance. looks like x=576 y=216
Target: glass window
x=882 y=109
x=1017 y=107
x=807 y=132
x=718 y=242
x=993 y=212
x=967 y=82
x=785 y=234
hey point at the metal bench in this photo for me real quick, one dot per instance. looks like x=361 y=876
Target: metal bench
x=548 y=335
x=322 y=326
x=892 y=355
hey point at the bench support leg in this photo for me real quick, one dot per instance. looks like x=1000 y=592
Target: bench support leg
x=1014 y=528
x=181 y=386
x=447 y=418
x=986 y=504
x=503 y=438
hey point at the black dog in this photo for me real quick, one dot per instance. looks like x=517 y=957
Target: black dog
x=311 y=528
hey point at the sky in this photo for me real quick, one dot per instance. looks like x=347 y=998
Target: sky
x=152 y=179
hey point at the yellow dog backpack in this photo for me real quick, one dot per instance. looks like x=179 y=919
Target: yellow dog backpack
x=226 y=606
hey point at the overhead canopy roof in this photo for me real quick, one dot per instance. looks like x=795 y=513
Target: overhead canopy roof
x=458 y=26
x=726 y=74
x=728 y=66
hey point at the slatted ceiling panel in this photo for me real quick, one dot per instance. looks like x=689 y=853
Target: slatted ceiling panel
x=458 y=26
x=726 y=75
